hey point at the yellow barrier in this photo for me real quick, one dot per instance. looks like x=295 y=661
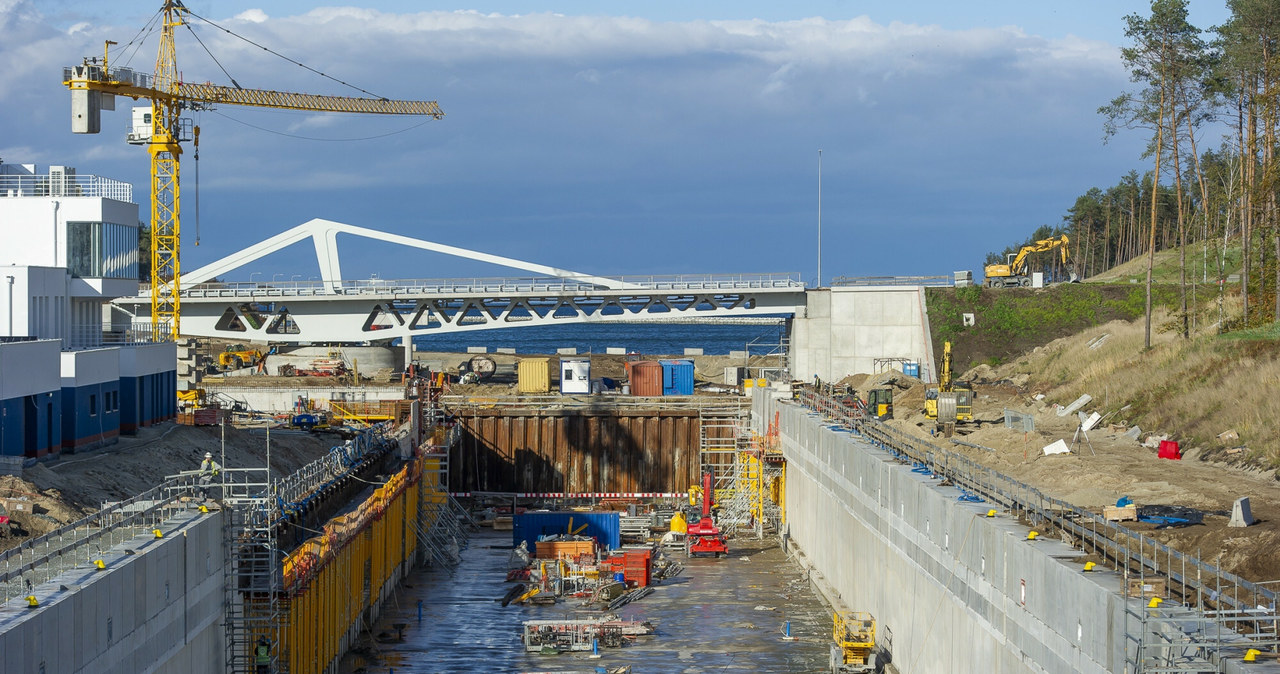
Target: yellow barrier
x=332 y=578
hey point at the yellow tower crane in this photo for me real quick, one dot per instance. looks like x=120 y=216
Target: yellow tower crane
x=95 y=85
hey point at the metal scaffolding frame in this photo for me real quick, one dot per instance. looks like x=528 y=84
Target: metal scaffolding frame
x=252 y=569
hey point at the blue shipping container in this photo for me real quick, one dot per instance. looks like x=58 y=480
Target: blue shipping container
x=911 y=369
x=604 y=527
x=677 y=377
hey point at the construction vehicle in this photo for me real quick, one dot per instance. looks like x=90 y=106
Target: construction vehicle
x=855 y=642
x=951 y=402
x=94 y=86
x=237 y=356
x=880 y=403
x=704 y=537
x=1014 y=273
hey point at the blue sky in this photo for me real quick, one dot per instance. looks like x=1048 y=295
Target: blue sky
x=618 y=138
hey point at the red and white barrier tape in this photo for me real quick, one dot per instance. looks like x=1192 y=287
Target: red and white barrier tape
x=646 y=494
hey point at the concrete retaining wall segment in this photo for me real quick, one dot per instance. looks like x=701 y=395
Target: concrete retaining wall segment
x=157 y=610
x=954 y=591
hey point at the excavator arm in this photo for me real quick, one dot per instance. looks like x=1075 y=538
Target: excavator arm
x=1019 y=266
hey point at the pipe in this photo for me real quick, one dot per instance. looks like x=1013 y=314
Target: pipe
x=10 y=277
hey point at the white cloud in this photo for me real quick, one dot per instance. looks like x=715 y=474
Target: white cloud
x=679 y=118
x=252 y=16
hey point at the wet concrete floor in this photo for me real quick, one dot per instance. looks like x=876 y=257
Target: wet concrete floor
x=707 y=619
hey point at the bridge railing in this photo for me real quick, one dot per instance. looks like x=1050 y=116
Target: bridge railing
x=488 y=286
x=893 y=281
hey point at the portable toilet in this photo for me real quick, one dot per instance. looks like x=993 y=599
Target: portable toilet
x=645 y=377
x=677 y=377
x=575 y=375
x=533 y=375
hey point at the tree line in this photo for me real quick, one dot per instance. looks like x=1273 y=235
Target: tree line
x=1193 y=85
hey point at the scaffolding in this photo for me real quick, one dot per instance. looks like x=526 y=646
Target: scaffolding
x=443 y=525
x=251 y=570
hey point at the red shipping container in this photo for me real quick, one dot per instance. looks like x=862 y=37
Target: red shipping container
x=1169 y=450
x=645 y=377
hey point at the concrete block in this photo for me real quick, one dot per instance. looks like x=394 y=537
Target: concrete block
x=567 y=351
x=616 y=350
x=692 y=351
x=738 y=354
x=505 y=349
x=1241 y=513
x=477 y=349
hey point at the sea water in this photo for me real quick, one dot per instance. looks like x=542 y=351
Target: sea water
x=644 y=338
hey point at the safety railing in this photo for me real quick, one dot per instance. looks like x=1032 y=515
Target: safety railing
x=492 y=286
x=612 y=402
x=1131 y=552
x=40 y=559
x=893 y=281
x=64 y=185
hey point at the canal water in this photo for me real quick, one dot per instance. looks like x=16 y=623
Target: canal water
x=720 y=615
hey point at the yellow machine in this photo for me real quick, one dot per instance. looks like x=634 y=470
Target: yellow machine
x=237 y=356
x=1014 y=273
x=855 y=642
x=95 y=85
x=951 y=402
x=880 y=403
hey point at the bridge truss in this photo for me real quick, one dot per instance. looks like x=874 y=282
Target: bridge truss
x=337 y=310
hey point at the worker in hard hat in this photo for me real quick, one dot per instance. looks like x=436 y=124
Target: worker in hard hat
x=209 y=472
x=262 y=656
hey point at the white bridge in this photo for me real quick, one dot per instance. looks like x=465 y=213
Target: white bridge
x=337 y=310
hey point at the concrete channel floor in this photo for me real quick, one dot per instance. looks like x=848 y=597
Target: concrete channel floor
x=706 y=619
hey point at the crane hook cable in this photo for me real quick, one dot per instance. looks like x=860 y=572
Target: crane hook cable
x=215 y=58
x=276 y=53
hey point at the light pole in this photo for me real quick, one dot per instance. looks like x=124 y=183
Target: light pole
x=275 y=276
x=295 y=277
x=819 y=218
x=251 y=275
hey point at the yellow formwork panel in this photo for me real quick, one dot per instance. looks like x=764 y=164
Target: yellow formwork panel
x=326 y=577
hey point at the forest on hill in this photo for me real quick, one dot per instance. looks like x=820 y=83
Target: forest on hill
x=1192 y=88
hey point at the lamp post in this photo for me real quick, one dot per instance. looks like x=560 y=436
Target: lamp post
x=275 y=276
x=819 y=218
x=251 y=275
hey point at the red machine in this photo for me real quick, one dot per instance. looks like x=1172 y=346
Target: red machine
x=704 y=537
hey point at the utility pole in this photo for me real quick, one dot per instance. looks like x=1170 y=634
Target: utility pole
x=819 y=218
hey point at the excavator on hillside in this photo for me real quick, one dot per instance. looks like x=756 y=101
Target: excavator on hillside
x=951 y=402
x=1014 y=273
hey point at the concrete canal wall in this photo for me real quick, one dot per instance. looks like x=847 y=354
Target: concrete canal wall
x=157 y=607
x=953 y=590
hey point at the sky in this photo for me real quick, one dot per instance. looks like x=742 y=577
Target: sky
x=613 y=138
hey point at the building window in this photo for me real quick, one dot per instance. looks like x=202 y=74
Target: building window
x=93 y=404
x=102 y=250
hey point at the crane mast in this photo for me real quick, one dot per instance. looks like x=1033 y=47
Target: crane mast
x=165 y=186
x=169 y=97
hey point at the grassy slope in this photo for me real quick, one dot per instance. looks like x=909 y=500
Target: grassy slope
x=1165 y=269
x=1193 y=389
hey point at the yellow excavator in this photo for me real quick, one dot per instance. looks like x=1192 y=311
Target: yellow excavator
x=1014 y=273
x=950 y=402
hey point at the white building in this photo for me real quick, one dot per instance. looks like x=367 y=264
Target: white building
x=70 y=247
